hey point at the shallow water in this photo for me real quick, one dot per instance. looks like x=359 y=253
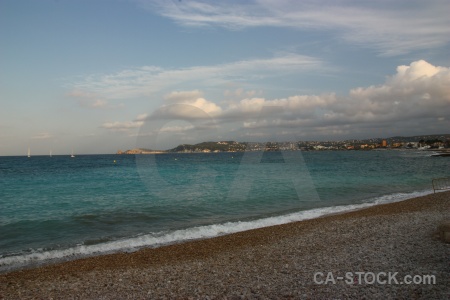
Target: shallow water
x=57 y=207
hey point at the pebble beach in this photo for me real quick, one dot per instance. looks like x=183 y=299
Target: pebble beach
x=290 y=261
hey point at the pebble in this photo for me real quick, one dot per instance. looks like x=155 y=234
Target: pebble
x=267 y=263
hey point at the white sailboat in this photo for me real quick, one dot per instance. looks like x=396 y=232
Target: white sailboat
x=29 y=152
x=72 y=154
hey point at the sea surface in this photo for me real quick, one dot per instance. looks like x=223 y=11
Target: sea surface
x=59 y=208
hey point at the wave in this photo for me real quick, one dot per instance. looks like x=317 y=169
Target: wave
x=417 y=153
x=158 y=239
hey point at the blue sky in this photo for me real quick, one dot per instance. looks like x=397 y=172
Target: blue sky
x=98 y=76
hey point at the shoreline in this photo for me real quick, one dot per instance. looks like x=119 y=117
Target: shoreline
x=36 y=260
x=273 y=261
x=443 y=152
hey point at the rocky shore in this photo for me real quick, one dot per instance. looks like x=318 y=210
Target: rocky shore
x=291 y=261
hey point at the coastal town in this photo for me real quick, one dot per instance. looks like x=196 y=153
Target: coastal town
x=425 y=142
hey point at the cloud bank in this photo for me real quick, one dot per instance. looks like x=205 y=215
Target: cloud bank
x=416 y=97
x=147 y=80
x=390 y=28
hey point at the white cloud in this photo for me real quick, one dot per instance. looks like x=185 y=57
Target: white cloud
x=241 y=93
x=141 y=117
x=194 y=98
x=43 y=136
x=201 y=109
x=298 y=104
x=417 y=90
x=91 y=100
x=183 y=96
x=145 y=81
x=390 y=27
x=417 y=96
x=417 y=70
x=122 y=126
x=176 y=129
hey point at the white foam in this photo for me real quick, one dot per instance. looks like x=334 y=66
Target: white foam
x=201 y=232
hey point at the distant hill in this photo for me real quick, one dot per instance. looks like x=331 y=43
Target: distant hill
x=233 y=146
x=223 y=146
x=140 y=151
x=406 y=139
x=418 y=138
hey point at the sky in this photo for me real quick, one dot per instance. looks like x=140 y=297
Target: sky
x=96 y=76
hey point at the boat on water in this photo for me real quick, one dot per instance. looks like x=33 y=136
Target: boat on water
x=441 y=153
x=29 y=152
x=72 y=154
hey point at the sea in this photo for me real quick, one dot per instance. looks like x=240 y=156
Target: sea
x=62 y=208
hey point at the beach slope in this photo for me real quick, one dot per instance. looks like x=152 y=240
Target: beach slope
x=292 y=261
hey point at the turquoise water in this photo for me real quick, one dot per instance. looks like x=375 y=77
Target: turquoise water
x=59 y=207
